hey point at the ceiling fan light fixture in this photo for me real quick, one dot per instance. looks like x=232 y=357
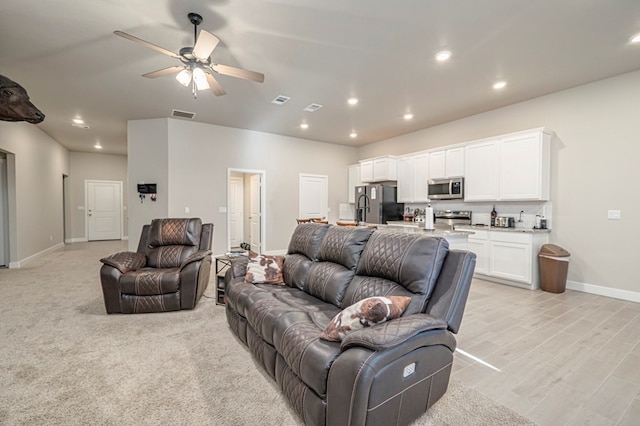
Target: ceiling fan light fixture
x=184 y=77
x=200 y=78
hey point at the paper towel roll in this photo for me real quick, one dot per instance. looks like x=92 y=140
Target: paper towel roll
x=428 y=218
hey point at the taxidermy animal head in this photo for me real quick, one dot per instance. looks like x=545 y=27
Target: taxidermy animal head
x=15 y=104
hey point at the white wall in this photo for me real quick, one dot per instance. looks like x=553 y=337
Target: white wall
x=595 y=167
x=89 y=166
x=197 y=157
x=36 y=206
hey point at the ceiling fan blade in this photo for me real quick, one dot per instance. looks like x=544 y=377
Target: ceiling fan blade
x=214 y=85
x=204 y=45
x=238 y=72
x=147 y=44
x=164 y=71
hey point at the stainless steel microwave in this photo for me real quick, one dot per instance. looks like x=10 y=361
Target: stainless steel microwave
x=446 y=189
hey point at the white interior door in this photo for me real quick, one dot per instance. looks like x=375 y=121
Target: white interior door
x=255 y=201
x=104 y=210
x=236 y=210
x=314 y=196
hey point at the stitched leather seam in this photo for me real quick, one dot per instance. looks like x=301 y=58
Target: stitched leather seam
x=353 y=388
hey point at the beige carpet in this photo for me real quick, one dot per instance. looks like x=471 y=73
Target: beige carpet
x=64 y=361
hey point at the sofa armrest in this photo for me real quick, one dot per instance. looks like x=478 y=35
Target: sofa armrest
x=392 y=333
x=238 y=268
x=125 y=261
x=195 y=257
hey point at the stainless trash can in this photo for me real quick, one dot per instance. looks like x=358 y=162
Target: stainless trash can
x=554 y=264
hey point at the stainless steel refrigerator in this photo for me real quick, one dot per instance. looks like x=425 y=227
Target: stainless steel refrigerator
x=377 y=204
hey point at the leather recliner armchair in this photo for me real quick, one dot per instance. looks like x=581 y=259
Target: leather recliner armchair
x=169 y=271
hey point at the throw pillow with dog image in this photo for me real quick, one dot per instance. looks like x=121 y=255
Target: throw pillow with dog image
x=263 y=269
x=365 y=313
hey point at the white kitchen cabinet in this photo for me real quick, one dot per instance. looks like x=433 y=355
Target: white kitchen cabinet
x=454 y=162
x=507 y=257
x=446 y=163
x=354 y=180
x=437 y=164
x=525 y=166
x=379 y=169
x=366 y=171
x=510 y=256
x=412 y=177
x=478 y=243
x=481 y=170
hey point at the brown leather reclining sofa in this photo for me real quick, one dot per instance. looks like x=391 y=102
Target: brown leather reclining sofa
x=387 y=374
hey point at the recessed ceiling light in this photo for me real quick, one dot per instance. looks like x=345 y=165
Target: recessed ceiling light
x=408 y=116
x=353 y=135
x=500 y=85
x=635 y=38
x=78 y=121
x=443 y=55
x=97 y=145
x=352 y=101
x=304 y=126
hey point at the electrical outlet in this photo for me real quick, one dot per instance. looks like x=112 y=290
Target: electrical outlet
x=187 y=210
x=614 y=215
x=409 y=369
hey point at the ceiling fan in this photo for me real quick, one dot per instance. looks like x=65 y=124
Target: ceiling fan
x=196 y=69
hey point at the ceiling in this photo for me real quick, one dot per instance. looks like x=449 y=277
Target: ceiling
x=65 y=54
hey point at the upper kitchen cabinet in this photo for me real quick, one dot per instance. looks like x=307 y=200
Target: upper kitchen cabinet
x=412 y=177
x=379 y=169
x=354 y=180
x=525 y=165
x=481 y=170
x=446 y=163
x=513 y=167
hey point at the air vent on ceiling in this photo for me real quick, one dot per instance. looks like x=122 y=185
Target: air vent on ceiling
x=280 y=99
x=312 y=107
x=182 y=114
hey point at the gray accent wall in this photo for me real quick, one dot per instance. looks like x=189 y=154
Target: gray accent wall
x=594 y=167
x=190 y=161
x=36 y=164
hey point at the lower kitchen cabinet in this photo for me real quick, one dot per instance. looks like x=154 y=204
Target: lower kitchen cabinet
x=479 y=244
x=508 y=257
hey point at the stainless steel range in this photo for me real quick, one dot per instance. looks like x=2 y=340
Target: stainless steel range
x=447 y=219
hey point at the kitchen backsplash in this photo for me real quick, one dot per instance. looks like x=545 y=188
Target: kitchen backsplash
x=481 y=212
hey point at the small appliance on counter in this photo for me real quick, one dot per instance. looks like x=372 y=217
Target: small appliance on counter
x=505 y=222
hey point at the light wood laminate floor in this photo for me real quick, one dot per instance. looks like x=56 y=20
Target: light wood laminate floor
x=558 y=359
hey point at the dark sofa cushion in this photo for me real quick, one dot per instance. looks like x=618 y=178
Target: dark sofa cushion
x=150 y=281
x=306 y=239
x=343 y=245
x=403 y=264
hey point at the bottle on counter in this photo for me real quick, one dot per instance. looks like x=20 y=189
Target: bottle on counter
x=494 y=214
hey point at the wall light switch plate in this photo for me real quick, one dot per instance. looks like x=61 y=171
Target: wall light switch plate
x=222 y=209
x=614 y=215
x=187 y=210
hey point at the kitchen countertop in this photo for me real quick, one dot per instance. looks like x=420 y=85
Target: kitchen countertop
x=497 y=228
x=412 y=227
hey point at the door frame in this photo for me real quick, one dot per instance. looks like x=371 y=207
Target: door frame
x=263 y=204
x=86 y=202
x=239 y=205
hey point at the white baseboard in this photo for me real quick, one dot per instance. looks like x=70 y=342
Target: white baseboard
x=76 y=240
x=26 y=260
x=616 y=293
